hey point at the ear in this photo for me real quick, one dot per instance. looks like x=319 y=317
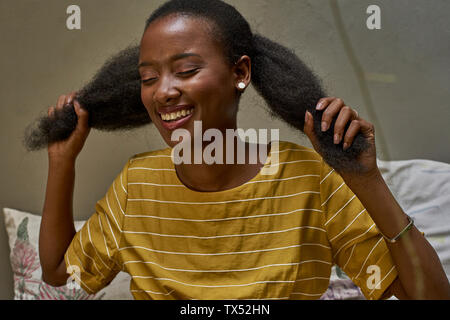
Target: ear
x=242 y=71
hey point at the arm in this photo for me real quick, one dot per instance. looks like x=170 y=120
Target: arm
x=57 y=228
x=421 y=275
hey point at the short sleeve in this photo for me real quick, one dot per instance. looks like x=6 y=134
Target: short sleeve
x=357 y=246
x=90 y=257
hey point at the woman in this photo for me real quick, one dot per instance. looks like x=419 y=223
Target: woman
x=225 y=231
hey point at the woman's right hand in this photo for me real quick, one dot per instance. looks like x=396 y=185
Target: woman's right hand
x=71 y=147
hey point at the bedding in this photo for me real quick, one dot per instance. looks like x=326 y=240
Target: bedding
x=422 y=188
x=23 y=235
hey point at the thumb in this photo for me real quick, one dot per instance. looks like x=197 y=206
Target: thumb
x=82 y=115
x=308 y=129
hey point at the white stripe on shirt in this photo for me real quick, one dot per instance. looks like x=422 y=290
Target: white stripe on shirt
x=103 y=234
x=224 y=253
x=228 y=201
x=221 y=236
x=93 y=246
x=221 y=219
x=213 y=286
x=353 y=239
x=367 y=258
x=340 y=210
x=332 y=194
x=327 y=176
x=351 y=222
x=249 y=182
x=230 y=270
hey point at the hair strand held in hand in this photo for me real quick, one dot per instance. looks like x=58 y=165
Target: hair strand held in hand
x=112 y=99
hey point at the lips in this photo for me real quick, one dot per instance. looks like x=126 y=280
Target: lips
x=170 y=109
x=174 y=124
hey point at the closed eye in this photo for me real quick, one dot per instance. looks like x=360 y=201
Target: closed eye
x=147 y=80
x=188 y=72
x=184 y=73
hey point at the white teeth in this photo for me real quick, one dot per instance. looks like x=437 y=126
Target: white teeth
x=176 y=115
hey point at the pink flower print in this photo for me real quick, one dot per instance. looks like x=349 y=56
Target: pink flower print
x=24 y=259
x=47 y=292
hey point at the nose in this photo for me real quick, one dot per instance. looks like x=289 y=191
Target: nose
x=166 y=90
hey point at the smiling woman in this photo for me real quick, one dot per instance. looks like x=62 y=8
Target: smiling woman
x=227 y=231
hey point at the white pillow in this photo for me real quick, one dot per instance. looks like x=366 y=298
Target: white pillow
x=422 y=188
x=23 y=234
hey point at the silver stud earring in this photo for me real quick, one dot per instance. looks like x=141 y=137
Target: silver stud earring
x=241 y=85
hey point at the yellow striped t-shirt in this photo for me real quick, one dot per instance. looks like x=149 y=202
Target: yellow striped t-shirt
x=275 y=237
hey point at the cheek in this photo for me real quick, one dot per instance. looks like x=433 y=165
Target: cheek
x=146 y=98
x=211 y=92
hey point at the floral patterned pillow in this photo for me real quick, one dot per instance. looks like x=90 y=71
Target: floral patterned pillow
x=341 y=287
x=23 y=235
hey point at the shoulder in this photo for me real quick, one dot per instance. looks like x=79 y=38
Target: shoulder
x=150 y=165
x=299 y=155
x=298 y=150
x=150 y=157
x=307 y=159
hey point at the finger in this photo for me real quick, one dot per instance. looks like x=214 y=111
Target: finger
x=50 y=111
x=82 y=114
x=323 y=102
x=367 y=129
x=345 y=115
x=330 y=112
x=60 y=102
x=70 y=97
x=309 y=130
x=352 y=131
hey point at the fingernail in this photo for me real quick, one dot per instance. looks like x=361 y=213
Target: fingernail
x=319 y=105
x=336 y=138
x=324 y=126
x=345 y=146
x=306 y=116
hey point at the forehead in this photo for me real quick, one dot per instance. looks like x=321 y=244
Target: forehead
x=176 y=34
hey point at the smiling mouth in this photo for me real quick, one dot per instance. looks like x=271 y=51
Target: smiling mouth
x=175 y=116
x=176 y=119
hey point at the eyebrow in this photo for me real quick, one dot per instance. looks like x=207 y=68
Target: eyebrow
x=173 y=58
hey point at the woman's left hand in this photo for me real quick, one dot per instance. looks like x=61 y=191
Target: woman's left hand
x=336 y=107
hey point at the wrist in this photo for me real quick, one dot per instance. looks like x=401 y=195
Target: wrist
x=61 y=161
x=371 y=177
